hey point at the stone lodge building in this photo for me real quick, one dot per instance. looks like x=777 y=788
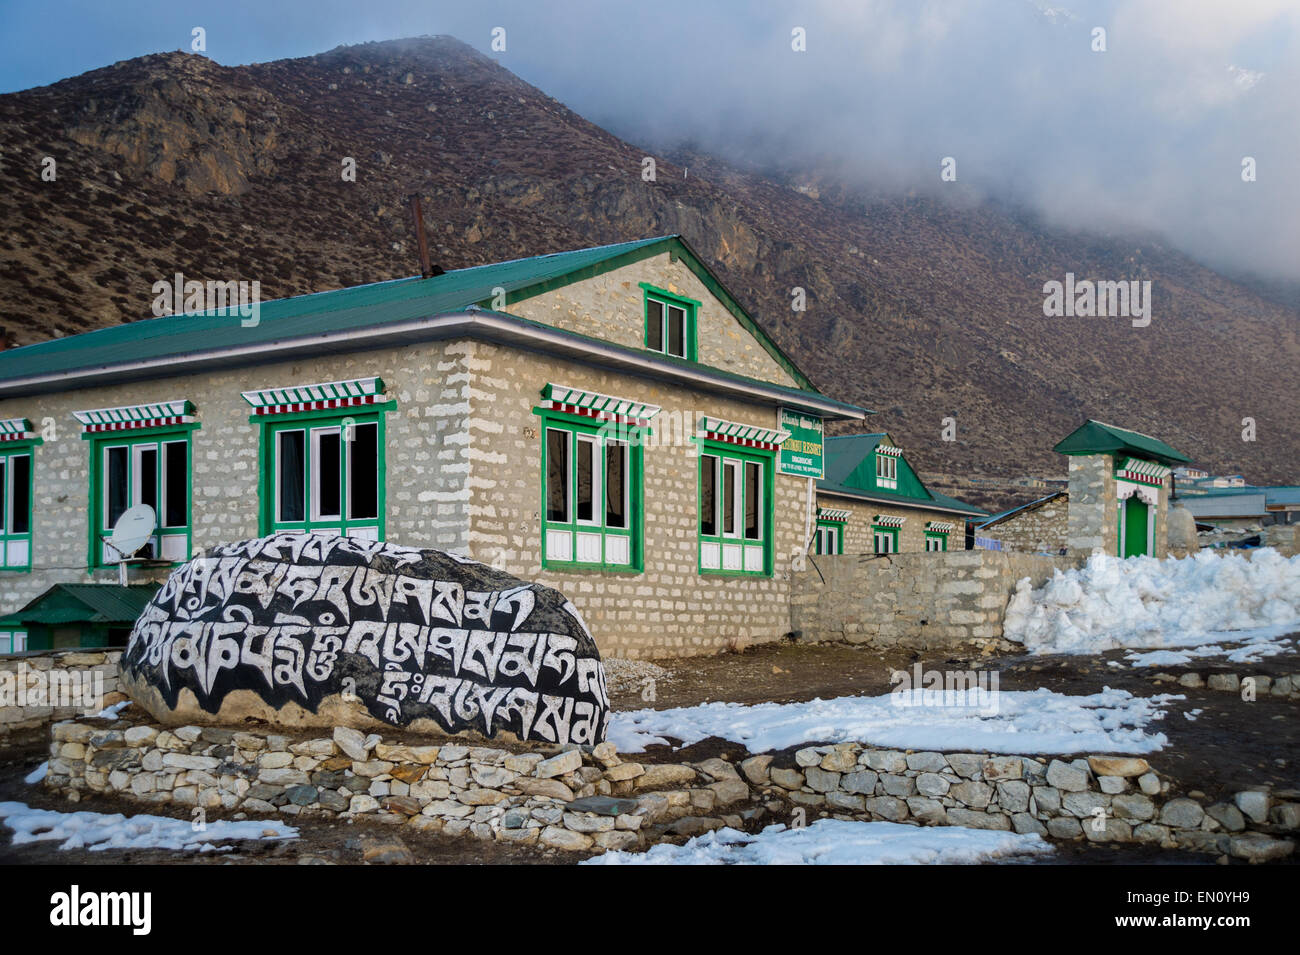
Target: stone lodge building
x=607 y=421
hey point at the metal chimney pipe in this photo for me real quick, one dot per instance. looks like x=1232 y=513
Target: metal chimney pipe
x=427 y=269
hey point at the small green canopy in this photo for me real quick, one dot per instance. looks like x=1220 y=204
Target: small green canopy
x=1093 y=437
x=87 y=603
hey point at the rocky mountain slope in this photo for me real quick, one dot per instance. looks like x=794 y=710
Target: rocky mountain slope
x=917 y=308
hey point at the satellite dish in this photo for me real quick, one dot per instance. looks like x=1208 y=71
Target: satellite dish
x=133 y=530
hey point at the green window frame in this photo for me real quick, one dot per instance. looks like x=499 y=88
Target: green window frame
x=735 y=515
x=829 y=538
x=151 y=466
x=671 y=323
x=593 y=492
x=323 y=471
x=936 y=541
x=17 y=488
x=884 y=539
x=886 y=470
x=13 y=640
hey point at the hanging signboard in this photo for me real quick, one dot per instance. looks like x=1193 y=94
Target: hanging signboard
x=801 y=454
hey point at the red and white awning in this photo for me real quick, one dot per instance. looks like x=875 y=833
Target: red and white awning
x=592 y=404
x=16 y=429
x=742 y=435
x=840 y=514
x=1143 y=472
x=940 y=527
x=319 y=397
x=129 y=417
x=889 y=449
x=884 y=520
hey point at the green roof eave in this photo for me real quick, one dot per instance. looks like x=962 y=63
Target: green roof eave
x=475 y=323
x=339 y=311
x=937 y=502
x=1094 y=437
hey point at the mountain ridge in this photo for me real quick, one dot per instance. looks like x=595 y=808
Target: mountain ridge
x=920 y=308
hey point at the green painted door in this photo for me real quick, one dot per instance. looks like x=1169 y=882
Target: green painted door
x=1135 y=527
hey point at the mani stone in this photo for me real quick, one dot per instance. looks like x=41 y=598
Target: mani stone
x=301 y=630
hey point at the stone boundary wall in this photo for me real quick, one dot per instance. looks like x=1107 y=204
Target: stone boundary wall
x=48 y=676
x=1043 y=530
x=923 y=601
x=1098 y=798
x=590 y=799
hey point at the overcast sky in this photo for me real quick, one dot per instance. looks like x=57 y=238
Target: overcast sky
x=1148 y=135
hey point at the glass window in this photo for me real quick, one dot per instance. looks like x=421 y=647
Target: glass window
x=176 y=484
x=363 y=472
x=151 y=469
x=291 y=476
x=616 y=484
x=709 y=495
x=328 y=477
x=557 y=475
x=591 y=484
x=670 y=326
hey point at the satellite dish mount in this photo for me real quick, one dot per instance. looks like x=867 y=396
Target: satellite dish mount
x=133 y=530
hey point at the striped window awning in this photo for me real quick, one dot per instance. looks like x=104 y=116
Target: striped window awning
x=744 y=435
x=889 y=449
x=832 y=514
x=16 y=429
x=884 y=520
x=940 y=527
x=319 y=397
x=157 y=415
x=592 y=404
x=1144 y=472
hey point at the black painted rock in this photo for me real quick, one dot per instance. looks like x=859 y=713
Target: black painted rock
x=302 y=630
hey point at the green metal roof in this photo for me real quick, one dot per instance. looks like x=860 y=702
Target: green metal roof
x=1093 y=437
x=850 y=469
x=363 y=306
x=87 y=603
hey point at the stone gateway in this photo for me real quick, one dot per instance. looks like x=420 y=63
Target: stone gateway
x=308 y=630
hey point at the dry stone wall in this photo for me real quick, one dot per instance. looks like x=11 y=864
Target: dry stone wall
x=924 y=601
x=38 y=688
x=590 y=799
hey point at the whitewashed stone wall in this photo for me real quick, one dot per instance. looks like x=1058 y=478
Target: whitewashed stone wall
x=611 y=307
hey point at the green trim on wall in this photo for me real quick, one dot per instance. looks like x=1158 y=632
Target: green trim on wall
x=691 y=331
x=767 y=463
x=942 y=538
x=892 y=531
x=129 y=438
x=25 y=447
x=837 y=526
x=635 y=533
x=272 y=424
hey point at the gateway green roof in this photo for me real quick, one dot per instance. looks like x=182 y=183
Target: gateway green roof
x=1093 y=437
x=364 y=306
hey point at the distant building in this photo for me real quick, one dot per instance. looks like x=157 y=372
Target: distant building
x=871 y=501
x=1241 y=507
x=1119 y=490
x=1039 y=527
x=1186 y=475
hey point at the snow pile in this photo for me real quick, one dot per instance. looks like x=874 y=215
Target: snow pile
x=1144 y=603
x=1040 y=721
x=96 y=831
x=837 y=842
x=38 y=774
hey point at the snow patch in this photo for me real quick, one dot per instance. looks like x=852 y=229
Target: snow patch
x=97 y=831
x=837 y=842
x=1041 y=721
x=1147 y=604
